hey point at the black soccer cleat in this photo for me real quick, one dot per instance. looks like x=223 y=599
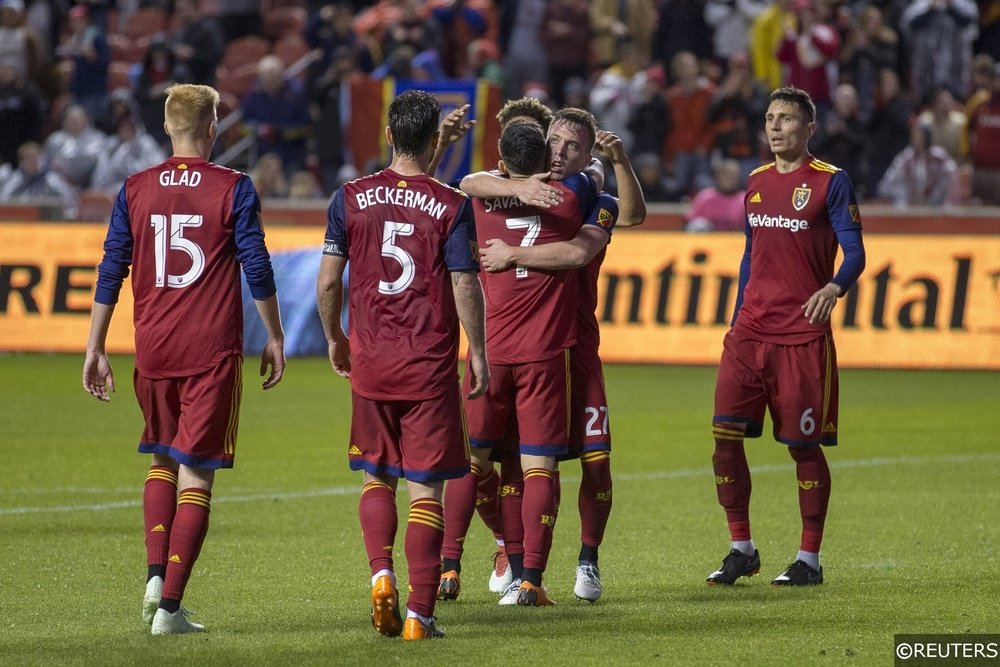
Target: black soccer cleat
x=737 y=564
x=799 y=573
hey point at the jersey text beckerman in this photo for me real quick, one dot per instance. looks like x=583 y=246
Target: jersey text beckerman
x=400 y=197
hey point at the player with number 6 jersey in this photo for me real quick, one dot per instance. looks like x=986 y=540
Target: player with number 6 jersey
x=185 y=227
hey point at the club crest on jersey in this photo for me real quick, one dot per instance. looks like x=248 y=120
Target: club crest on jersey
x=604 y=218
x=800 y=197
x=855 y=214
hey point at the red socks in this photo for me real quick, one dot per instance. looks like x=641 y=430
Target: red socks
x=732 y=480
x=159 y=504
x=511 y=501
x=813 y=475
x=487 y=504
x=538 y=516
x=424 y=534
x=377 y=511
x=595 y=496
x=186 y=537
x=459 y=506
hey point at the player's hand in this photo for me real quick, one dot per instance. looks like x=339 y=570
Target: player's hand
x=480 y=370
x=273 y=355
x=534 y=191
x=339 y=351
x=610 y=146
x=98 y=378
x=452 y=128
x=819 y=306
x=496 y=255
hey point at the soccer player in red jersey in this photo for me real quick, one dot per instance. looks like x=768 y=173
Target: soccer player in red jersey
x=590 y=432
x=779 y=353
x=413 y=279
x=185 y=226
x=529 y=336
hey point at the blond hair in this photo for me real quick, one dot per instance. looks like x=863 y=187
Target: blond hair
x=189 y=108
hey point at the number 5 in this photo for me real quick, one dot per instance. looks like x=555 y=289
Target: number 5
x=390 y=249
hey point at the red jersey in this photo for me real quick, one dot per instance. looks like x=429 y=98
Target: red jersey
x=794 y=221
x=530 y=313
x=185 y=226
x=403 y=236
x=588 y=332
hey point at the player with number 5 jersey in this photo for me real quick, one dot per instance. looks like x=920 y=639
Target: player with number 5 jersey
x=185 y=227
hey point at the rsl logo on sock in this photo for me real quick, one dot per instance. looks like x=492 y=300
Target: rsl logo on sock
x=809 y=485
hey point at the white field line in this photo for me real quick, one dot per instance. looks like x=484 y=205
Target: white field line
x=350 y=490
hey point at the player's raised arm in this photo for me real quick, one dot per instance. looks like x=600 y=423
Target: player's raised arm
x=452 y=131
x=533 y=191
x=631 y=203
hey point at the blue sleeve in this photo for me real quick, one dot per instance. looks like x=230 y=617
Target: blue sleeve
x=845 y=217
x=118 y=246
x=250 y=248
x=744 y=275
x=605 y=213
x=586 y=191
x=458 y=253
x=335 y=241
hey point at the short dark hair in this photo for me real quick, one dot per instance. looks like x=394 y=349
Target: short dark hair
x=413 y=120
x=796 y=97
x=529 y=107
x=522 y=148
x=581 y=117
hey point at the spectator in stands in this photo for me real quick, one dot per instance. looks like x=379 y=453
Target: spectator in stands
x=681 y=28
x=982 y=82
x=269 y=177
x=129 y=150
x=87 y=50
x=719 y=208
x=329 y=29
x=691 y=136
x=482 y=61
x=842 y=137
x=730 y=21
x=614 y=23
x=20 y=45
x=947 y=122
x=303 y=185
x=276 y=111
x=198 y=44
x=655 y=185
x=870 y=46
x=985 y=146
x=238 y=18
x=617 y=92
x=737 y=114
x=73 y=150
x=33 y=181
x=766 y=34
x=22 y=112
x=566 y=30
x=921 y=175
x=889 y=129
x=525 y=58
x=649 y=123
x=158 y=71
x=121 y=104
x=412 y=29
x=461 y=22
x=325 y=94
x=808 y=48
x=940 y=34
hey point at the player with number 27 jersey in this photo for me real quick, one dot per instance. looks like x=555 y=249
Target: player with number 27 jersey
x=381 y=222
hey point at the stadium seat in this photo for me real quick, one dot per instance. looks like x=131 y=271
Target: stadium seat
x=118 y=75
x=245 y=50
x=95 y=206
x=283 y=21
x=290 y=49
x=236 y=81
x=145 y=22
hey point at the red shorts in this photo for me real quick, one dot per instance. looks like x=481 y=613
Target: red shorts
x=537 y=394
x=422 y=441
x=193 y=420
x=590 y=429
x=797 y=383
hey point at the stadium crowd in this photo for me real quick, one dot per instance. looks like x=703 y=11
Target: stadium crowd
x=908 y=93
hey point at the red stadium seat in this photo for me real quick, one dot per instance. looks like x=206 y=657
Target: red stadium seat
x=244 y=50
x=145 y=22
x=118 y=75
x=290 y=49
x=283 y=21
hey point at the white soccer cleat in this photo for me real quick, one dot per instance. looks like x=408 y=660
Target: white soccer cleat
x=165 y=623
x=151 y=600
x=588 y=582
x=509 y=596
x=501 y=576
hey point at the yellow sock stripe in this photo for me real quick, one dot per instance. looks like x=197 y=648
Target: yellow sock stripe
x=426 y=502
x=727 y=433
x=589 y=457
x=475 y=470
x=195 y=498
x=168 y=476
x=539 y=472
x=436 y=525
x=234 y=410
x=376 y=485
x=432 y=519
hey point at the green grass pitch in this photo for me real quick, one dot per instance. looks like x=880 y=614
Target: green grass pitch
x=911 y=540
